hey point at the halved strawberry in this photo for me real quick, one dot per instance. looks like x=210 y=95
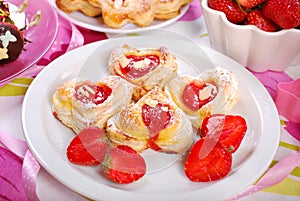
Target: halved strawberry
x=229 y=130
x=123 y=165
x=207 y=161
x=88 y=147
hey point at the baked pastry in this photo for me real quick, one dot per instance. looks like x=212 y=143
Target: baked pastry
x=155 y=121
x=144 y=67
x=167 y=9
x=90 y=8
x=82 y=103
x=211 y=92
x=117 y=13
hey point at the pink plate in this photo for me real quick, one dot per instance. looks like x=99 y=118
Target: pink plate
x=41 y=36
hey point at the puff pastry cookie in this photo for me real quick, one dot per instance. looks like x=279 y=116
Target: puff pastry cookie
x=117 y=13
x=167 y=9
x=82 y=103
x=154 y=121
x=144 y=67
x=211 y=92
x=91 y=8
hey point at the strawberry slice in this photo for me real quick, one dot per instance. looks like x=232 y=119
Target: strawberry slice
x=123 y=165
x=229 y=130
x=88 y=147
x=207 y=161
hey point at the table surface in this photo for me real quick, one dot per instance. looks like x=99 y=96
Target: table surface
x=192 y=26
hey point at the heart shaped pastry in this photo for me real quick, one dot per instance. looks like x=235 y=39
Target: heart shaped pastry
x=211 y=92
x=155 y=121
x=144 y=67
x=81 y=103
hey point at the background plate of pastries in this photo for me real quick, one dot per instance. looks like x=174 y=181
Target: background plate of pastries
x=121 y=16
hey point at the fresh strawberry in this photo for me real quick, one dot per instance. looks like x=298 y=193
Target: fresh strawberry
x=285 y=13
x=256 y=18
x=88 y=147
x=207 y=161
x=250 y=3
x=231 y=9
x=123 y=165
x=229 y=130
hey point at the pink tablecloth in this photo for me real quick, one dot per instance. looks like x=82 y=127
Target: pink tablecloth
x=190 y=25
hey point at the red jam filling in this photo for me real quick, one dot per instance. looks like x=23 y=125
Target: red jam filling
x=131 y=72
x=156 y=119
x=191 y=95
x=89 y=93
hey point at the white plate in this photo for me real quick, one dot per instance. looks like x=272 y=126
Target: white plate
x=48 y=139
x=97 y=24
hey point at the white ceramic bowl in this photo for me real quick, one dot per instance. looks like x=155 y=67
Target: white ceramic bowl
x=251 y=47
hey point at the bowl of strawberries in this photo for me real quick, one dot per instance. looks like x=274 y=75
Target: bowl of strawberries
x=259 y=34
